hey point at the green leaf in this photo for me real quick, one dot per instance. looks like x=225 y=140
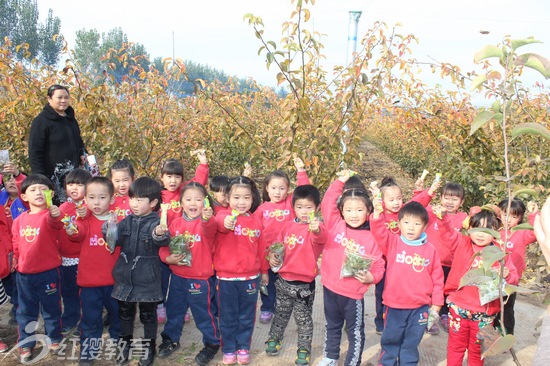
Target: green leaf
x=517 y=43
x=496 y=106
x=478 y=81
x=481 y=119
x=474 y=277
x=273 y=44
x=490 y=254
x=535 y=62
x=510 y=289
x=531 y=128
x=527 y=191
x=502 y=344
x=488 y=52
x=524 y=226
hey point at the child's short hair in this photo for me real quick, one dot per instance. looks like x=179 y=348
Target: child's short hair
x=306 y=192
x=35 y=179
x=354 y=182
x=517 y=207
x=172 y=167
x=122 y=164
x=78 y=176
x=274 y=174
x=219 y=183
x=355 y=193
x=242 y=181
x=485 y=218
x=200 y=187
x=414 y=209
x=146 y=187
x=453 y=190
x=103 y=181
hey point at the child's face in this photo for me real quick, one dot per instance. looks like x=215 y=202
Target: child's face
x=142 y=206
x=240 y=199
x=76 y=191
x=303 y=207
x=481 y=239
x=392 y=198
x=34 y=195
x=411 y=227
x=354 y=212
x=451 y=203
x=277 y=189
x=513 y=220
x=192 y=202
x=171 y=181
x=98 y=198
x=121 y=180
x=11 y=187
x=221 y=198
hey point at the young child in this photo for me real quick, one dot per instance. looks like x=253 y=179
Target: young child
x=217 y=190
x=192 y=286
x=37 y=259
x=303 y=239
x=122 y=175
x=276 y=210
x=95 y=267
x=516 y=245
x=5 y=265
x=392 y=201
x=239 y=261
x=452 y=198
x=414 y=282
x=137 y=272
x=75 y=186
x=345 y=216
x=466 y=314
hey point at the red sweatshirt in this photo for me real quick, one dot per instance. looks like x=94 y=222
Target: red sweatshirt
x=173 y=198
x=273 y=215
x=414 y=276
x=95 y=267
x=444 y=248
x=218 y=208
x=35 y=242
x=302 y=249
x=517 y=244
x=467 y=297
x=202 y=234
x=239 y=253
x=121 y=206
x=67 y=247
x=5 y=245
x=391 y=218
x=339 y=238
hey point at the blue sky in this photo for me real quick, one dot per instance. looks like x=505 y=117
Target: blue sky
x=214 y=33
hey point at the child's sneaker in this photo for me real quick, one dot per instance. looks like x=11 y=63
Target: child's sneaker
x=266 y=316
x=243 y=357
x=187 y=316
x=161 y=314
x=444 y=321
x=3 y=347
x=302 y=357
x=25 y=354
x=229 y=359
x=273 y=346
x=328 y=362
x=67 y=331
x=55 y=347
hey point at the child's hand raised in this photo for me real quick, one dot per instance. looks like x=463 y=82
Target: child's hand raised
x=201 y=154
x=54 y=211
x=344 y=175
x=175 y=259
x=229 y=222
x=82 y=211
x=419 y=184
x=435 y=186
x=11 y=168
x=161 y=230
x=438 y=211
x=207 y=213
x=299 y=164
x=377 y=203
x=532 y=207
x=247 y=172
x=364 y=277
x=314 y=225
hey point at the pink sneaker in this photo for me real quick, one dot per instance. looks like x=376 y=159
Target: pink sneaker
x=229 y=359
x=161 y=314
x=187 y=316
x=243 y=357
x=266 y=316
x=3 y=347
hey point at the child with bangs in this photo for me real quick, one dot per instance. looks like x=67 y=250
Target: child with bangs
x=346 y=217
x=122 y=174
x=218 y=185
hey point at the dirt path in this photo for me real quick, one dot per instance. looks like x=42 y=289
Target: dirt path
x=432 y=348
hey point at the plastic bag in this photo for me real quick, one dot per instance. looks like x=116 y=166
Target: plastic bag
x=4 y=158
x=180 y=245
x=433 y=317
x=488 y=291
x=278 y=249
x=354 y=263
x=112 y=232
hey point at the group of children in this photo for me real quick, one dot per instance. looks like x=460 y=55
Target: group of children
x=111 y=246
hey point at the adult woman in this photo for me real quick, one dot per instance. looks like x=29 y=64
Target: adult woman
x=55 y=144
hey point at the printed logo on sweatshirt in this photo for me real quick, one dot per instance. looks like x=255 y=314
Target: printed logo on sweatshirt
x=276 y=214
x=393 y=227
x=195 y=288
x=291 y=241
x=29 y=233
x=510 y=245
x=349 y=244
x=51 y=288
x=121 y=213
x=245 y=231
x=192 y=238
x=176 y=206
x=97 y=241
x=423 y=318
x=416 y=261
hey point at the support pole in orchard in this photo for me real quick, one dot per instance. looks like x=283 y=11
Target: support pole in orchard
x=352 y=50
